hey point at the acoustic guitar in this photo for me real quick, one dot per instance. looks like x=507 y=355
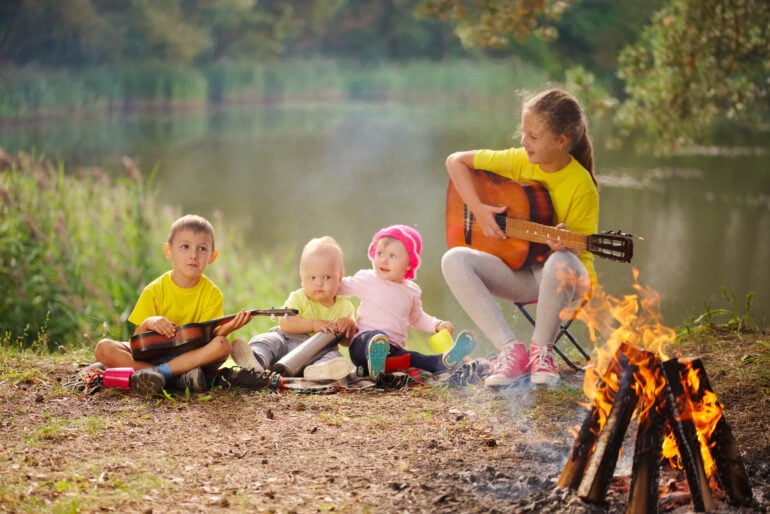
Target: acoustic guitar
x=528 y=223
x=150 y=345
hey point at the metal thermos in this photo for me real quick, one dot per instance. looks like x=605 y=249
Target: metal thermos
x=293 y=362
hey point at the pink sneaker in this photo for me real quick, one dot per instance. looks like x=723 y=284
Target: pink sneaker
x=542 y=367
x=512 y=366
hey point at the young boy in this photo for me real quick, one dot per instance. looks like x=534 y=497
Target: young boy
x=178 y=297
x=320 y=310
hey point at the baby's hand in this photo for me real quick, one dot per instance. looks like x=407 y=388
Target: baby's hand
x=347 y=327
x=328 y=327
x=445 y=325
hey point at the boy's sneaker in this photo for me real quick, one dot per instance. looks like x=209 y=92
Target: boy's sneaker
x=464 y=344
x=147 y=381
x=250 y=379
x=244 y=356
x=512 y=367
x=377 y=352
x=194 y=380
x=332 y=369
x=543 y=370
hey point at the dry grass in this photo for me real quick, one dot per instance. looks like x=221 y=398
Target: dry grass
x=427 y=449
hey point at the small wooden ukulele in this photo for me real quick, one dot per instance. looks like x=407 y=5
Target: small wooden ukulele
x=151 y=345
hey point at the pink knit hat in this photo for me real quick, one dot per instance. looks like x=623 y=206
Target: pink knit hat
x=411 y=240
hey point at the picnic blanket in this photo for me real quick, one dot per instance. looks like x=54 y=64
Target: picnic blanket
x=89 y=380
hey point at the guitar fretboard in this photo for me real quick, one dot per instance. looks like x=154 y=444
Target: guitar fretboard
x=538 y=233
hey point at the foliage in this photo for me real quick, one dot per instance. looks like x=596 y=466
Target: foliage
x=494 y=23
x=34 y=91
x=694 y=65
x=736 y=318
x=73 y=250
x=94 y=32
x=76 y=249
x=697 y=63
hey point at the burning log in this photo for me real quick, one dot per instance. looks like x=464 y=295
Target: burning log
x=729 y=467
x=643 y=496
x=601 y=465
x=674 y=398
x=572 y=473
x=679 y=413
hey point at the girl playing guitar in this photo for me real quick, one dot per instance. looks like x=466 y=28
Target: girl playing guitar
x=555 y=152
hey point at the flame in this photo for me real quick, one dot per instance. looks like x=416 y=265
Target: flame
x=632 y=325
x=705 y=412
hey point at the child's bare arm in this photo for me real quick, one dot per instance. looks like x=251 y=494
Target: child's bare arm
x=157 y=324
x=240 y=319
x=300 y=325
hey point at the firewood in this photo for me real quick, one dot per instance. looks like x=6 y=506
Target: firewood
x=679 y=413
x=603 y=460
x=643 y=496
x=731 y=473
x=572 y=473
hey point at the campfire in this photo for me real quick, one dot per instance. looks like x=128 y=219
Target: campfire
x=679 y=420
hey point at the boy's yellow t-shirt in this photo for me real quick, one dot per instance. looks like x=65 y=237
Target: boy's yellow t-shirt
x=162 y=297
x=310 y=309
x=573 y=193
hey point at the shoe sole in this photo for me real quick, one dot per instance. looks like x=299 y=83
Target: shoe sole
x=147 y=384
x=244 y=357
x=464 y=344
x=333 y=369
x=545 y=379
x=379 y=347
x=501 y=381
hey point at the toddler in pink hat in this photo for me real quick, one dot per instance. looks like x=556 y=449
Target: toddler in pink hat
x=390 y=303
x=411 y=240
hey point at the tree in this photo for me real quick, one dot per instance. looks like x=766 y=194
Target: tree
x=697 y=62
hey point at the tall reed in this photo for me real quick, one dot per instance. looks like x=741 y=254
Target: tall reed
x=76 y=248
x=29 y=91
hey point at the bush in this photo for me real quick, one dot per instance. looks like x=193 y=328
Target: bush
x=77 y=248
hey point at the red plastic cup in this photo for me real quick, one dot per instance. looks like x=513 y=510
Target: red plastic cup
x=118 y=377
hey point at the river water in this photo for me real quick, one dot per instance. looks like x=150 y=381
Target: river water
x=701 y=219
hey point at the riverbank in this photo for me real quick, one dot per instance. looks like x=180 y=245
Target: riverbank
x=425 y=449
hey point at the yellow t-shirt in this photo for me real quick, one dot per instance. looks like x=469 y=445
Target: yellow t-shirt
x=162 y=297
x=310 y=309
x=573 y=193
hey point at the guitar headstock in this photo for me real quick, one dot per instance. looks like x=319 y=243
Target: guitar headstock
x=612 y=244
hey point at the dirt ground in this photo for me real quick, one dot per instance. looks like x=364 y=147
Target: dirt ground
x=425 y=449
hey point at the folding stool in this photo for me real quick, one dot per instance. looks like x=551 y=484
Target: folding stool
x=563 y=332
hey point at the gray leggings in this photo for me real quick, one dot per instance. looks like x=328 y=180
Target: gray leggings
x=477 y=278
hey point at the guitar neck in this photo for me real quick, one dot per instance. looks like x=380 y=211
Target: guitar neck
x=254 y=312
x=538 y=233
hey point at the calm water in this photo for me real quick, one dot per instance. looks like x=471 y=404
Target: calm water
x=287 y=174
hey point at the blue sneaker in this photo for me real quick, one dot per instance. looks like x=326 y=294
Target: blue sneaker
x=464 y=344
x=376 y=353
